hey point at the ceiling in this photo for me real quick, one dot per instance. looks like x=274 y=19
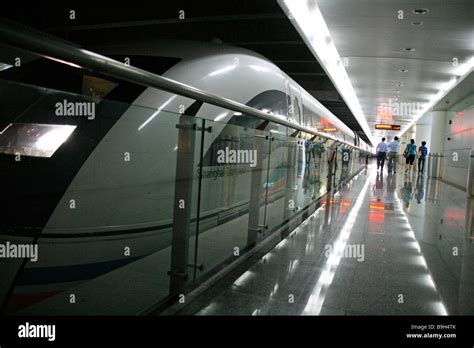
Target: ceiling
x=369 y=34
x=257 y=25
x=463 y=90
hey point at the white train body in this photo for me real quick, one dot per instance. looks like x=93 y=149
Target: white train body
x=119 y=203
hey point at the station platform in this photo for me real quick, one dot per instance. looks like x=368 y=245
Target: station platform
x=383 y=245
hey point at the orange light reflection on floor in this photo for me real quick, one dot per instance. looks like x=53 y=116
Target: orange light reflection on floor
x=375 y=214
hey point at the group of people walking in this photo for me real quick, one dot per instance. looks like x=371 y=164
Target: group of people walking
x=391 y=151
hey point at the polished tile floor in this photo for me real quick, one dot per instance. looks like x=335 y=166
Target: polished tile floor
x=383 y=245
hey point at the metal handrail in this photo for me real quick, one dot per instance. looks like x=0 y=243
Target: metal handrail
x=51 y=47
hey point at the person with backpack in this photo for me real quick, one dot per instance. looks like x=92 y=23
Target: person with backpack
x=410 y=154
x=423 y=151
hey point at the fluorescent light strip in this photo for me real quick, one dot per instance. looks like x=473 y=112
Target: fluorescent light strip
x=223 y=70
x=8 y=126
x=4 y=66
x=156 y=112
x=311 y=26
x=221 y=116
x=244 y=278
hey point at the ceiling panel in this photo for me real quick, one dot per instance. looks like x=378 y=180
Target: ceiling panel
x=372 y=39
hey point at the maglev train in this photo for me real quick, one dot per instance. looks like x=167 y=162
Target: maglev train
x=110 y=185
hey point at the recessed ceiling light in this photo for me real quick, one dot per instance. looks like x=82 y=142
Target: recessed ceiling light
x=417 y=23
x=419 y=11
x=403 y=70
x=409 y=49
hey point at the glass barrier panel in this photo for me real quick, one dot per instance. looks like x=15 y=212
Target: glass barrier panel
x=277 y=181
x=100 y=202
x=127 y=204
x=234 y=165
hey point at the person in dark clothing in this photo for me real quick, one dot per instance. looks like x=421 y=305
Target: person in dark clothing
x=410 y=155
x=381 y=154
x=423 y=152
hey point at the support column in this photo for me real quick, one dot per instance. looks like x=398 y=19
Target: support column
x=436 y=145
x=438 y=128
x=423 y=130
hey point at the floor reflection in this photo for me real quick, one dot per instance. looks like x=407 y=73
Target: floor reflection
x=416 y=241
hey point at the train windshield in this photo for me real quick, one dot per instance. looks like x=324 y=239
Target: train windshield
x=44 y=101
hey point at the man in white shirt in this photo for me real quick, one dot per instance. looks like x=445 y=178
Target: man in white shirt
x=393 y=149
x=381 y=154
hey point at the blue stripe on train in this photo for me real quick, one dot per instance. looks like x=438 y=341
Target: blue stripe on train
x=70 y=273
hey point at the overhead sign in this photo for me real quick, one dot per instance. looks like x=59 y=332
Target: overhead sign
x=394 y=127
x=330 y=129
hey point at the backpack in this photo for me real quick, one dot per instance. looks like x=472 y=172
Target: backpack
x=406 y=152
